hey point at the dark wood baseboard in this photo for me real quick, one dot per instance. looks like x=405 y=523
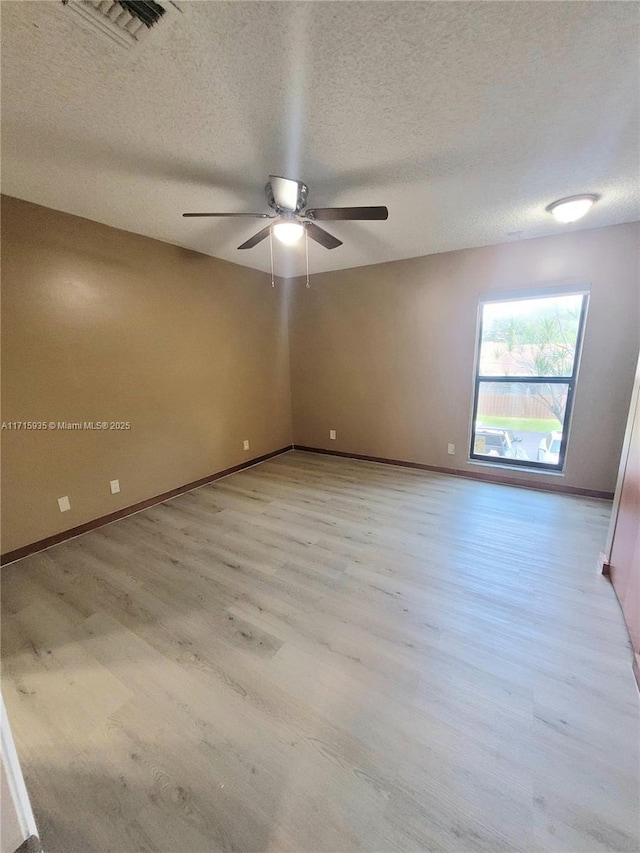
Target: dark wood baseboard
x=604 y=566
x=502 y=479
x=57 y=538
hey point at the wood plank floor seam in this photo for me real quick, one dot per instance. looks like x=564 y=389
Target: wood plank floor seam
x=326 y=655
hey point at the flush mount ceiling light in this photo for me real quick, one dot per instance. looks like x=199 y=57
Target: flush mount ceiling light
x=572 y=208
x=288 y=232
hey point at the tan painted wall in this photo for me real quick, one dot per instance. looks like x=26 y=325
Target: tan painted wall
x=384 y=354
x=103 y=325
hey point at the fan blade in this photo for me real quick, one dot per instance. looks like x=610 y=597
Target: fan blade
x=285 y=192
x=321 y=236
x=324 y=214
x=254 y=215
x=257 y=238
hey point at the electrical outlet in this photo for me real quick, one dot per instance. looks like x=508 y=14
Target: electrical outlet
x=332 y=434
x=63 y=504
x=451 y=449
x=245 y=444
x=114 y=485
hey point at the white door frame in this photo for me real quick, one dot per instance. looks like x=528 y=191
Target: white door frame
x=18 y=822
x=624 y=456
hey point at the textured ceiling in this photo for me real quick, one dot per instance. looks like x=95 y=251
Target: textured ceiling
x=465 y=119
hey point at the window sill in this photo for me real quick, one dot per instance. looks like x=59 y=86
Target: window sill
x=523 y=469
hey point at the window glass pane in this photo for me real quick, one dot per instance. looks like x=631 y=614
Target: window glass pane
x=520 y=420
x=530 y=337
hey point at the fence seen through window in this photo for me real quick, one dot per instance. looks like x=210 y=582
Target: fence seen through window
x=527 y=363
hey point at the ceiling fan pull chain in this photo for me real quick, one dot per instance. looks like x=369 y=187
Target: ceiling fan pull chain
x=306 y=252
x=273 y=283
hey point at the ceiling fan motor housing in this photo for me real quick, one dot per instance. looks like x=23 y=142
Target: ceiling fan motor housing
x=275 y=195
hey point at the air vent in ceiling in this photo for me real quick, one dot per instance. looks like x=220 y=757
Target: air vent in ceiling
x=127 y=22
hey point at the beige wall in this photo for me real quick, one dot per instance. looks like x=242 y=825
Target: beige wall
x=103 y=325
x=384 y=354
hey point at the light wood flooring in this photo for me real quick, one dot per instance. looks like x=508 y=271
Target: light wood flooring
x=320 y=654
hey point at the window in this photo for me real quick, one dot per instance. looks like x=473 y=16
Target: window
x=527 y=365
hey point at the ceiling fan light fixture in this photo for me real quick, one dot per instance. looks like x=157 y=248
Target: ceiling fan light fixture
x=288 y=200
x=573 y=208
x=288 y=232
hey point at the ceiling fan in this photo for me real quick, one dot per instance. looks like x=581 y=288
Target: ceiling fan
x=292 y=218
